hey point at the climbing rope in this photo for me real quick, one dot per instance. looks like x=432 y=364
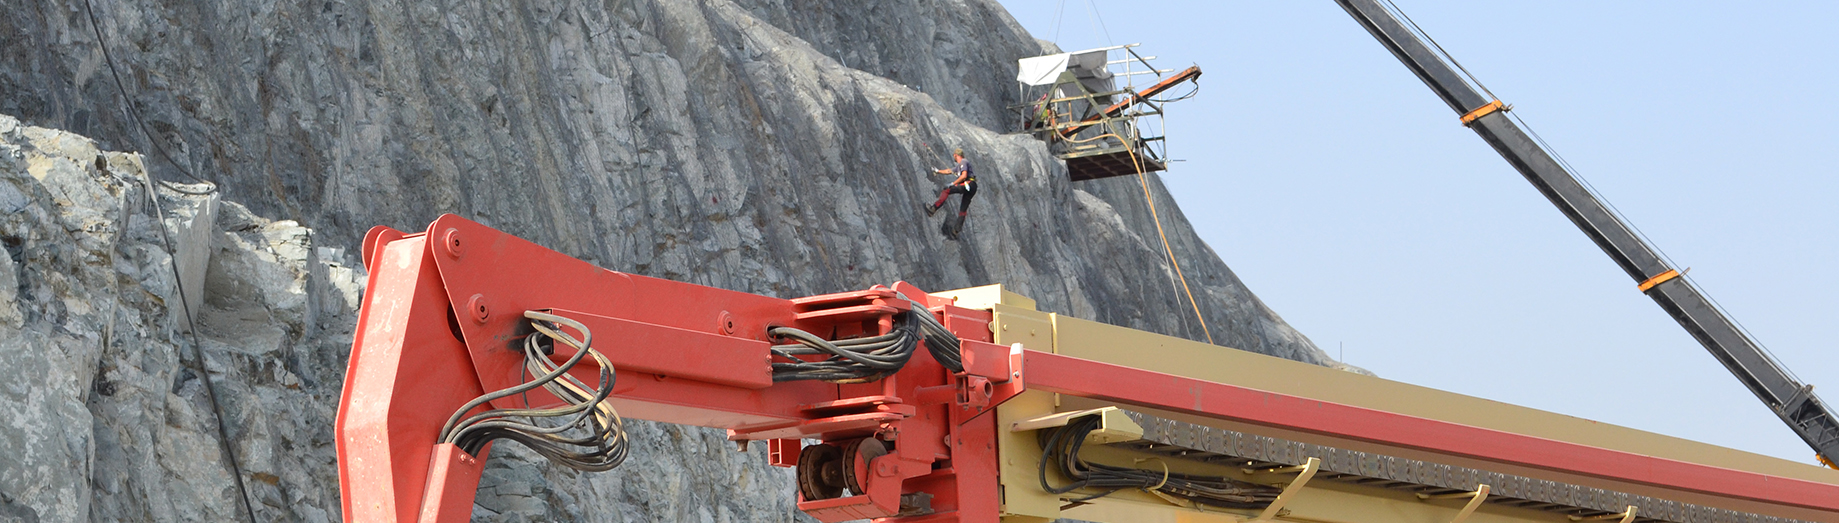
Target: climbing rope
x=159 y=222
x=1144 y=180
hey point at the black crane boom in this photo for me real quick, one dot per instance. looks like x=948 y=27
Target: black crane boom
x=1793 y=401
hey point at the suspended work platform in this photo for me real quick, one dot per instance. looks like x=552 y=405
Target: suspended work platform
x=1091 y=123
x=1091 y=162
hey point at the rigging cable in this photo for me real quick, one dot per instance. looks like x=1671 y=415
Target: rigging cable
x=1144 y=180
x=159 y=219
x=204 y=374
x=1591 y=188
x=1057 y=12
x=1159 y=232
x=102 y=42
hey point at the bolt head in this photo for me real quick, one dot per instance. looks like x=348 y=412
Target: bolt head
x=724 y=322
x=450 y=241
x=476 y=307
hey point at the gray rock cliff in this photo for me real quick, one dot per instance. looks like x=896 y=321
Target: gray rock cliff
x=775 y=147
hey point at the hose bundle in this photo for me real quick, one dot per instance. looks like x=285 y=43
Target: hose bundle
x=1061 y=447
x=591 y=436
x=861 y=360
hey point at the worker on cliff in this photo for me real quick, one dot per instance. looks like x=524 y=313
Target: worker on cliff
x=965 y=185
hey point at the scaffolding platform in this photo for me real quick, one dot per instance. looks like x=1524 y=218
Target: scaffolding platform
x=1109 y=162
x=1090 y=121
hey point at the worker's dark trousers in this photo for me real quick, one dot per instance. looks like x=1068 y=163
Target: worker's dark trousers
x=969 y=190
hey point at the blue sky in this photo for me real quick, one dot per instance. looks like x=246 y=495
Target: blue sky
x=1351 y=200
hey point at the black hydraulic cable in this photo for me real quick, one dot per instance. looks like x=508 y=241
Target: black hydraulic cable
x=940 y=341
x=602 y=432
x=871 y=358
x=858 y=360
x=1061 y=447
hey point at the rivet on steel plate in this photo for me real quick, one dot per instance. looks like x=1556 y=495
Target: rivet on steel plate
x=451 y=240
x=477 y=306
x=725 y=322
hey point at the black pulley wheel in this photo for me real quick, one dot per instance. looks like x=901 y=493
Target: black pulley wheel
x=812 y=462
x=857 y=458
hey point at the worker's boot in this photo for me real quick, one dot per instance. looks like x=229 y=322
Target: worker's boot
x=930 y=209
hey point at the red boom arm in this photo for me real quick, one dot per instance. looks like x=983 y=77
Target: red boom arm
x=444 y=312
x=443 y=323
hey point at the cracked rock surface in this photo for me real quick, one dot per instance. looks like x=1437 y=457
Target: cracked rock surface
x=777 y=147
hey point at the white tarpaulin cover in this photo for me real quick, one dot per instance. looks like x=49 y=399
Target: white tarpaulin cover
x=1041 y=70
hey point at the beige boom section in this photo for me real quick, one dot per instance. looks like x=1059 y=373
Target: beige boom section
x=1325 y=479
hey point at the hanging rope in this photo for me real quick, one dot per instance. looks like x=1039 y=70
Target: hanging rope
x=1157 y=218
x=1144 y=180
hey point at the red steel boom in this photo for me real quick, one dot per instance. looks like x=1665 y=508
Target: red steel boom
x=447 y=319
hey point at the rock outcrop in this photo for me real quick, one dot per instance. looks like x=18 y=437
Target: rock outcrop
x=772 y=147
x=108 y=417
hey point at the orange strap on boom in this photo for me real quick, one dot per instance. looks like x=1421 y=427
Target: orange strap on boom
x=1483 y=111
x=1659 y=279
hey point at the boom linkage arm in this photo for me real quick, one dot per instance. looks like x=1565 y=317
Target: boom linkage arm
x=444 y=321
x=1793 y=401
x=1191 y=74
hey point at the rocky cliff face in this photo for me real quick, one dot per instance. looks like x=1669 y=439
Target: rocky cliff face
x=771 y=147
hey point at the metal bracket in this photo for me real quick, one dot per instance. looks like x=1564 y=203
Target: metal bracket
x=1475 y=500
x=1627 y=516
x=1484 y=111
x=1658 y=279
x=1306 y=471
x=1113 y=427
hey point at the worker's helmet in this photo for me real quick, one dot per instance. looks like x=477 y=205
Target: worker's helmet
x=957 y=152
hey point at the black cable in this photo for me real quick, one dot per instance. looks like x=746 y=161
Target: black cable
x=133 y=113
x=600 y=442
x=1061 y=447
x=940 y=341
x=223 y=433
x=1191 y=93
x=860 y=360
x=1433 y=43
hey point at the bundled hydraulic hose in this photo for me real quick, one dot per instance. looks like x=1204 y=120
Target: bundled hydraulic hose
x=1061 y=448
x=939 y=340
x=587 y=434
x=861 y=360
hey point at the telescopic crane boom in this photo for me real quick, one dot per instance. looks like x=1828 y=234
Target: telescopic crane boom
x=1793 y=401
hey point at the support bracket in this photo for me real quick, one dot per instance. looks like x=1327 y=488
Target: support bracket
x=1476 y=498
x=1627 y=516
x=1304 y=472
